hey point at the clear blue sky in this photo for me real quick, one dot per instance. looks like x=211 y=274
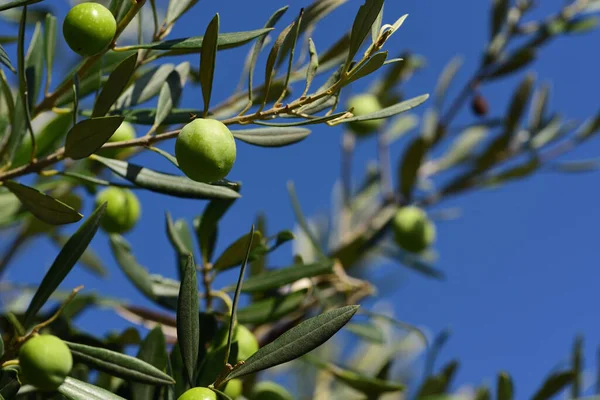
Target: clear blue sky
x=522 y=261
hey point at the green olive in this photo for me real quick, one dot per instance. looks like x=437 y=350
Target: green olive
x=247 y=343
x=89 y=28
x=125 y=132
x=267 y=390
x=413 y=231
x=45 y=362
x=122 y=209
x=198 y=393
x=364 y=104
x=233 y=388
x=205 y=150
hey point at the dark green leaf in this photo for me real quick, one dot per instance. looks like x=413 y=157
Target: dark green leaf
x=271 y=137
x=208 y=59
x=498 y=17
x=366 y=331
x=440 y=383
x=17 y=3
x=235 y=253
x=64 y=262
x=391 y=110
x=118 y=364
x=555 y=383
x=366 y=16
x=577 y=365
x=177 y=8
x=412 y=159
x=519 y=103
x=89 y=259
x=213 y=363
x=145 y=87
x=42 y=206
x=312 y=121
x=313 y=65
x=1 y=347
x=272 y=59
x=74 y=389
x=370 y=67
x=114 y=86
x=194 y=44
x=516 y=62
x=137 y=274
x=173 y=185
x=301 y=339
x=589 y=128
x=280 y=277
x=178 y=372
x=505 y=387
x=180 y=238
x=271 y=309
x=362 y=383
x=168 y=98
x=188 y=324
x=153 y=351
x=88 y=136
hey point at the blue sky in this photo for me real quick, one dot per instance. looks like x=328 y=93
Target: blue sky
x=521 y=261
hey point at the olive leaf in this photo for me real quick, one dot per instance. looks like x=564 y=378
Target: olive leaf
x=114 y=86
x=74 y=389
x=118 y=364
x=137 y=274
x=303 y=338
x=366 y=16
x=504 y=389
x=173 y=185
x=553 y=385
x=49 y=46
x=64 y=262
x=34 y=65
x=206 y=226
x=390 y=111
x=153 y=351
x=280 y=277
x=188 y=324
x=235 y=253
x=5 y=60
x=208 y=59
x=271 y=309
x=88 y=136
x=271 y=137
x=42 y=206
x=411 y=161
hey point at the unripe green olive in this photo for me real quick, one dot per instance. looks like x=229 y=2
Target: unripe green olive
x=267 y=390
x=205 y=150
x=413 y=231
x=198 y=393
x=247 y=343
x=45 y=362
x=122 y=209
x=234 y=388
x=364 y=104
x=125 y=132
x=89 y=28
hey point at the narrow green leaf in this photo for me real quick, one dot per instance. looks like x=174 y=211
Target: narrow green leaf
x=446 y=78
x=42 y=206
x=498 y=16
x=588 y=129
x=145 y=87
x=313 y=65
x=235 y=253
x=194 y=44
x=5 y=60
x=280 y=277
x=137 y=274
x=208 y=59
x=89 y=259
x=364 y=20
x=153 y=351
x=18 y=3
x=390 y=111
x=515 y=62
x=271 y=137
x=371 y=66
x=178 y=372
x=181 y=240
x=168 y=98
x=376 y=27
x=505 y=389
x=411 y=161
x=555 y=383
x=271 y=309
x=538 y=108
x=76 y=96
x=64 y=262
x=462 y=147
x=74 y=389
x=312 y=121
x=518 y=103
x=49 y=46
x=577 y=363
x=114 y=86
x=303 y=338
x=362 y=383
x=213 y=363
x=293 y=39
x=173 y=185
x=188 y=324
x=579 y=166
x=118 y=364
x=258 y=46
x=88 y=136
x=34 y=65
x=1 y=347
x=272 y=59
